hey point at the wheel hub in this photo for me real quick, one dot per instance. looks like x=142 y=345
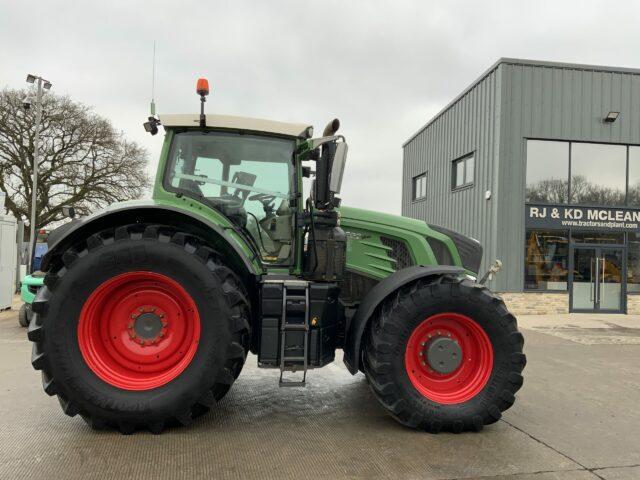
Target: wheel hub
x=443 y=354
x=147 y=326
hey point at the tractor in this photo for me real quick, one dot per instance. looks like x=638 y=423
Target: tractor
x=149 y=308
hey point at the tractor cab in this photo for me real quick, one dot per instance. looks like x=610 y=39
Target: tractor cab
x=250 y=170
x=248 y=177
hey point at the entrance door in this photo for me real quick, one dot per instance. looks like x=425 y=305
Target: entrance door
x=597 y=283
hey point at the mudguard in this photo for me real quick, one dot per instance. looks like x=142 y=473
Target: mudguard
x=375 y=296
x=63 y=235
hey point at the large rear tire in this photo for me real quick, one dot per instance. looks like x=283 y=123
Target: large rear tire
x=140 y=326
x=444 y=356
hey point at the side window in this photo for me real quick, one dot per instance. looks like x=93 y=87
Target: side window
x=463 y=171
x=269 y=176
x=248 y=178
x=420 y=187
x=209 y=168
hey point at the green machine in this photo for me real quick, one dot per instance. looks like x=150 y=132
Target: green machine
x=150 y=308
x=28 y=288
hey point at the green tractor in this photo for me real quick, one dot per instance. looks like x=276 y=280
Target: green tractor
x=149 y=308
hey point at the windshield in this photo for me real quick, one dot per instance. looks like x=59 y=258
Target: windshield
x=248 y=178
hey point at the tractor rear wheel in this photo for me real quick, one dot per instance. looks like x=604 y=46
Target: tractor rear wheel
x=444 y=356
x=141 y=326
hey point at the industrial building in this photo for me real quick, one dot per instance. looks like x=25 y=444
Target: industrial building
x=539 y=161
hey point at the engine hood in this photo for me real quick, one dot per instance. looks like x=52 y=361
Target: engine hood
x=388 y=219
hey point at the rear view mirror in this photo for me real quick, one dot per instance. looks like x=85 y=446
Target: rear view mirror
x=337 y=168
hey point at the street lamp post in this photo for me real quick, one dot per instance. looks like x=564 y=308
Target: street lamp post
x=46 y=85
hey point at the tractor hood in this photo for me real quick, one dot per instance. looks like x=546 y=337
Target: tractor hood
x=388 y=219
x=380 y=243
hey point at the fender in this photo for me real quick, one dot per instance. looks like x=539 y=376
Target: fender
x=64 y=235
x=375 y=297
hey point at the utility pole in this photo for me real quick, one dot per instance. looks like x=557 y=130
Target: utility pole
x=46 y=85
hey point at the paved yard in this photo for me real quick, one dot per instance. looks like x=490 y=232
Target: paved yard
x=576 y=418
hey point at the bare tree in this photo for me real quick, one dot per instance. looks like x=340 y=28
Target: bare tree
x=554 y=190
x=84 y=160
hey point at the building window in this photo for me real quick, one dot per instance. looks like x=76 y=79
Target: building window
x=546 y=261
x=463 y=171
x=420 y=187
x=633 y=194
x=604 y=237
x=547 y=171
x=633 y=263
x=598 y=174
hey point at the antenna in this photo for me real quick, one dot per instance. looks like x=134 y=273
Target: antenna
x=153 y=81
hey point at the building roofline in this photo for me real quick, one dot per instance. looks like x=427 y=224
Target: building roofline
x=520 y=61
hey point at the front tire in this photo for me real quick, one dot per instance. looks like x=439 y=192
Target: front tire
x=140 y=327
x=24 y=315
x=444 y=356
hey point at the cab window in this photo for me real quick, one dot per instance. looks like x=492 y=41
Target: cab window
x=248 y=178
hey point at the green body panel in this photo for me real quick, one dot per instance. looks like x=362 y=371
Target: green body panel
x=367 y=255
x=29 y=281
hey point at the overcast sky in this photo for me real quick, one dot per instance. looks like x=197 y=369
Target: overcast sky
x=383 y=68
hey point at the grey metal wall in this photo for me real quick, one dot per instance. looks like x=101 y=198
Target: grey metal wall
x=513 y=101
x=553 y=102
x=469 y=125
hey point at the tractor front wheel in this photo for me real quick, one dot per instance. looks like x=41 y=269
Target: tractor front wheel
x=444 y=356
x=24 y=315
x=140 y=326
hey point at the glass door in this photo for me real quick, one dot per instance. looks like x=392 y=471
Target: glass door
x=609 y=284
x=597 y=283
x=585 y=275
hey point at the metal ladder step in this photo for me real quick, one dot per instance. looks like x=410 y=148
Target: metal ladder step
x=294 y=303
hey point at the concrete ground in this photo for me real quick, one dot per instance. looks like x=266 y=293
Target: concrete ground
x=576 y=418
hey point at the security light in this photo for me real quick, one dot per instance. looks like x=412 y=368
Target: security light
x=46 y=85
x=611 y=117
x=31 y=78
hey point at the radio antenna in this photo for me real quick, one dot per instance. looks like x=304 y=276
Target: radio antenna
x=153 y=81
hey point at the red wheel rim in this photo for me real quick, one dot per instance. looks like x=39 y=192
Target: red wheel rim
x=139 y=330
x=476 y=359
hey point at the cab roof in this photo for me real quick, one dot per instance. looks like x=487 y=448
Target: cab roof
x=237 y=123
